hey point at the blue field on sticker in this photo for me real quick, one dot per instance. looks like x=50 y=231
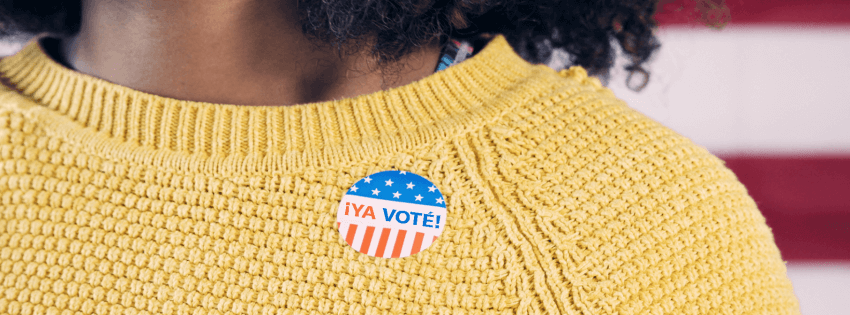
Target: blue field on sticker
x=398 y=186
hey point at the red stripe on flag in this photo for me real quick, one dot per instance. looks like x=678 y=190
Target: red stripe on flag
x=382 y=243
x=367 y=239
x=781 y=12
x=417 y=243
x=399 y=242
x=805 y=201
x=352 y=230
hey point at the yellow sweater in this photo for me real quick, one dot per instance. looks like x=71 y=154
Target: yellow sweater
x=560 y=199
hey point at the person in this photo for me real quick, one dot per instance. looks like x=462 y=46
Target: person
x=190 y=157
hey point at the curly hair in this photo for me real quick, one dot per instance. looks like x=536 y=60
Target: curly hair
x=588 y=31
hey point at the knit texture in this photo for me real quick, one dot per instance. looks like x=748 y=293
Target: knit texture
x=561 y=200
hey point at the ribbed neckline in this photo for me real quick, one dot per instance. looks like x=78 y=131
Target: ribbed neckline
x=438 y=105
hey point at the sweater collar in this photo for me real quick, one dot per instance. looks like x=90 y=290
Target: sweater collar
x=438 y=105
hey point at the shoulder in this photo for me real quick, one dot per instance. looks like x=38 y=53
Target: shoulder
x=580 y=154
x=584 y=158
x=579 y=128
x=623 y=209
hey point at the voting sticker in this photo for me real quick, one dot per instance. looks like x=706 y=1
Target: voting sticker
x=391 y=214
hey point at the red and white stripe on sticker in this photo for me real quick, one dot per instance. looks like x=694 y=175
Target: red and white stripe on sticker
x=391 y=214
x=385 y=242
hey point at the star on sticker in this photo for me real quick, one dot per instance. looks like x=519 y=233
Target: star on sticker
x=389 y=182
x=354 y=188
x=440 y=200
x=431 y=189
x=396 y=195
x=403 y=172
x=375 y=191
x=368 y=180
x=410 y=185
x=418 y=197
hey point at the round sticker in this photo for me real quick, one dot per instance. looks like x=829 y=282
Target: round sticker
x=391 y=214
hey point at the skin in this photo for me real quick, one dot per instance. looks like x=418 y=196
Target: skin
x=246 y=52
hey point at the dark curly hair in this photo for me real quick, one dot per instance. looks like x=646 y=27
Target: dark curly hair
x=587 y=30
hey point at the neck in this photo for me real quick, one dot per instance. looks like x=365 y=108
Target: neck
x=233 y=52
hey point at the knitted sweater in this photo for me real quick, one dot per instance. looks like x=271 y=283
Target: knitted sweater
x=560 y=199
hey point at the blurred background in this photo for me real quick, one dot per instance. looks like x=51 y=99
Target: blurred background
x=764 y=85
